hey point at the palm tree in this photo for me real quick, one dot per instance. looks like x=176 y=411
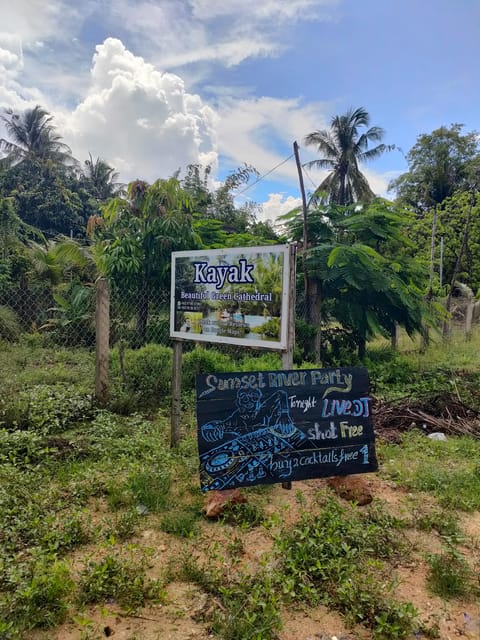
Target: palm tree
x=33 y=137
x=101 y=179
x=343 y=147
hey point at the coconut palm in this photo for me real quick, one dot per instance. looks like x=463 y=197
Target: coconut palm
x=33 y=137
x=342 y=148
x=101 y=179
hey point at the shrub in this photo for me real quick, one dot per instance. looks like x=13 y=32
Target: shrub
x=450 y=575
x=148 y=373
x=201 y=360
x=9 y=324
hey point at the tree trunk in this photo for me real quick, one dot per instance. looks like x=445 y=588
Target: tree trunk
x=466 y=230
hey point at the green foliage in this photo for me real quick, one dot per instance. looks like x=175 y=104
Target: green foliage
x=120 y=578
x=269 y=329
x=332 y=558
x=451 y=216
x=45 y=409
x=10 y=326
x=438 y=165
x=150 y=488
x=37 y=594
x=148 y=374
x=448 y=470
x=181 y=522
x=201 y=360
x=450 y=575
x=244 y=515
x=250 y=610
x=342 y=148
x=368 y=281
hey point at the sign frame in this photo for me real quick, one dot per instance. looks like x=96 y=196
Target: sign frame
x=268 y=427
x=237 y=259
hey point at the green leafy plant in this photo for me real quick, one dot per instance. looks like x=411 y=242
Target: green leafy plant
x=182 y=522
x=244 y=515
x=119 y=578
x=450 y=575
x=150 y=488
x=332 y=558
x=37 y=595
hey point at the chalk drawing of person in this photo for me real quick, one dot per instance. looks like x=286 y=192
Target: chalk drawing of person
x=253 y=412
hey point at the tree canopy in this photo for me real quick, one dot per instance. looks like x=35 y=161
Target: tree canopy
x=438 y=164
x=342 y=148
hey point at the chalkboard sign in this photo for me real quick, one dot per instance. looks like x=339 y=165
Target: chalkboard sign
x=276 y=426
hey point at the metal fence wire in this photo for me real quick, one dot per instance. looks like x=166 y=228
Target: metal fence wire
x=64 y=315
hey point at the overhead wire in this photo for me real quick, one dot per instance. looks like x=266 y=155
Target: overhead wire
x=264 y=176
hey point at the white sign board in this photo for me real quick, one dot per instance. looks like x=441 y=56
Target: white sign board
x=233 y=296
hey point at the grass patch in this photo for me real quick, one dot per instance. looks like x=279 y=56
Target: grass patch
x=120 y=579
x=450 y=575
x=448 y=470
x=36 y=595
x=181 y=522
x=334 y=558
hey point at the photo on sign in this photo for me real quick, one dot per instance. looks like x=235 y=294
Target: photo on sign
x=237 y=296
x=275 y=426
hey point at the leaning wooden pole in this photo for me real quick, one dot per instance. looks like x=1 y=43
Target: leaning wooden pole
x=287 y=355
x=305 y=231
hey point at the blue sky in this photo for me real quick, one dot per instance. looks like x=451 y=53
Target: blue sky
x=151 y=86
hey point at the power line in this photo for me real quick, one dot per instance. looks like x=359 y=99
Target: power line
x=264 y=175
x=308 y=176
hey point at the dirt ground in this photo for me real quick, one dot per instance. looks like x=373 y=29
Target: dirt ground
x=183 y=613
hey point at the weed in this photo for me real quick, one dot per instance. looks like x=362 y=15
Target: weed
x=448 y=469
x=445 y=523
x=181 y=523
x=450 y=575
x=331 y=558
x=244 y=515
x=250 y=609
x=37 y=594
x=150 y=488
x=122 y=526
x=121 y=579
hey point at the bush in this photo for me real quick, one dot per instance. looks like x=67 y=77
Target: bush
x=148 y=373
x=9 y=324
x=202 y=360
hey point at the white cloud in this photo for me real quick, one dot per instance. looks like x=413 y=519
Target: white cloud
x=253 y=130
x=277 y=205
x=138 y=119
x=266 y=10
x=229 y=32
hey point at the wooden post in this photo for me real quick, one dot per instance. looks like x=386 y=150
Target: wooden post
x=287 y=355
x=469 y=318
x=176 y=393
x=102 y=341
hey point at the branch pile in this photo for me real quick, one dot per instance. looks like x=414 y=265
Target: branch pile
x=439 y=412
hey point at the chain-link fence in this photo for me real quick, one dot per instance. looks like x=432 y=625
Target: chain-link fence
x=69 y=315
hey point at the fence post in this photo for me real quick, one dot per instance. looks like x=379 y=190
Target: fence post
x=102 y=341
x=176 y=393
x=469 y=318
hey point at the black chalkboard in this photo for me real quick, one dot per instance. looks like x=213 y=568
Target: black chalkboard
x=275 y=426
